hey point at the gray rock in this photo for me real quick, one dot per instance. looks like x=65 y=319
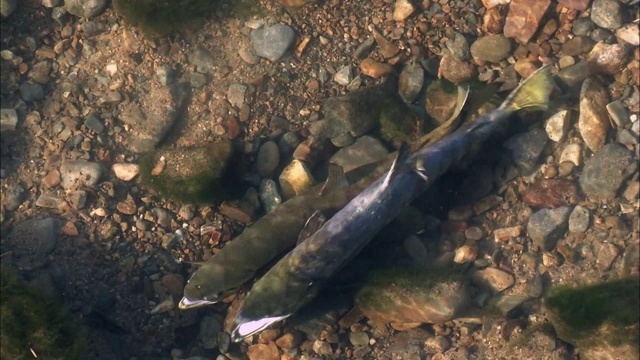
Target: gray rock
x=288 y=144
x=607 y=254
x=546 y=226
x=606 y=14
x=111 y=97
x=273 y=42
x=35 y=236
x=13 y=196
x=459 y=47
x=165 y=75
x=31 y=92
x=410 y=82
x=364 y=150
x=365 y=48
x=197 y=80
x=50 y=3
x=249 y=56
x=75 y=173
x=78 y=199
x=8 y=120
x=344 y=75
x=491 y=48
x=607 y=170
x=494 y=279
x=268 y=158
x=210 y=326
x=202 y=59
x=574 y=75
x=625 y=137
x=7 y=7
x=60 y=15
x=526 y=149
x=600 y=34
x=582 y=26
x=359 y=338
x=49 y=201
x=40 y=72
x=236 y=94
x=577 y=46
x=93 y=28
x=85 y=8
x=579 y=219
x=269 y=195
x=94 y=123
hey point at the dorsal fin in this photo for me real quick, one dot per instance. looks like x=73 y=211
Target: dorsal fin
x=403 y=154
x=313 y=224
x=335 y=179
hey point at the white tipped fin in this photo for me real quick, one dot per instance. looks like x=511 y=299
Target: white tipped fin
x=188 y=304
x=335 y=179
x=313 y=224
x=251 y=327
x=403 y=154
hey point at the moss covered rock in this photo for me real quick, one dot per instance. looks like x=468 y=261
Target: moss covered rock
x=602 y=320
x=32 y=323
x=196 y=174
x=408 y=295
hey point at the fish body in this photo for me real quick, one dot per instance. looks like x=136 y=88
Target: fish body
x=298 y=276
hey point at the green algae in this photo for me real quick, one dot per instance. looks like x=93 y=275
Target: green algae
x=34 y=322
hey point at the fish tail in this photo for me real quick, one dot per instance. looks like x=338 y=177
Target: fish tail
x=533 y=93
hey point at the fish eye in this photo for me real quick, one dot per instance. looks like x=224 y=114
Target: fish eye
x=199 y=287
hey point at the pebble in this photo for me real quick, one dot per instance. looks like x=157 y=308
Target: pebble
x=269 y=195
x=210 y=326
x=294 y=179
x=558 y=125
x=574 y=75
x=78 y=199
x=268 y=158
x=236 y=94
x=31 y=92
x=249 y=56
x=593 y=122
x=93 y=123
x=402 y=10
x=582 y=26
x=202 y=59
x=365 y=150
x=322 y=348
x=85 y=8
x=526 y=149
x=165 y=306
x=359 y=338
x=630 y=34
x=546 y=226
x=524 y=18
x=458 y=46
x=80 y=172
x=607 y=59
x=13 y=196
x=49 y=201
x=466 y=254
x=343 y=76
x=8 y=7
x=40 y=72
x=579 y=219
x=606 y=14
x=494 y=279
x=387 y=49
x=93 y=28
x=375 y=69
x=165 y=75
x=473 y=233
x=52 y=179
x=8 y=120
x=39 y=236
x=489 y=4
x=572 y=153
x=126 y=172
x=632 y=190
x=506 y=234
x=625 y=137
x=187 y=212
x=577 y=46
x=491 y=48
x=288 y=144
x=197 y=80
x=607 y=254
x=364 y=49
x=607 y=170
x=551 y=193
x=618 y=113
x=493 y=21
x=460 y=213
x=289 y=341
x=273 y=42
x=456 y=71
x=59 y=15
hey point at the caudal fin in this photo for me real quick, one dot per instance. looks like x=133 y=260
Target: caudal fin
x=533 y=93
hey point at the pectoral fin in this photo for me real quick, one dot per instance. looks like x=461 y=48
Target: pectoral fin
x=403 y=154
x=314 y=223
x=335 y=179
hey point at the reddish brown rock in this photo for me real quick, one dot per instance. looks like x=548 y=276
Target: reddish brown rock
x=52 y=179
x=593 y=122
x=456 y=71
x=490 y=4
x=493 y=20
x=375 y=69
x=551 y=193
x=575 y=4
x=232 y=127
x=263 y=352
x=607 y=59
x=523 y=18
x=387 y=49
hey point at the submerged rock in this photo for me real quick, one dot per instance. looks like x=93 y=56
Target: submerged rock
x=607 y=170
x=406 y=295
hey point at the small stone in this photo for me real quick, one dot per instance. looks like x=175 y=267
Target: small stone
x=577 y=46
x=546 y=226
x=187 y=212
x=165 y=75
x=460 y=213
x=575 y=4
x=579 y=220
x=402 y=10
x=473 y=233
x=85 y=8
x=343 y=76
x=7 y=7
x=618 y=113
x=273 y=42
x=410 y=82
x=70 y=229
x=52 y=179
x=593 y=122
x=490 y=4
x=359 y=339
x=387 y=49
x=269 y=195
x=268 y=158
x=630 y=34
x=128 y=206
x=8 y=120
x=236 y=94
x=77 y=173
x=294 y=179
x=493 y=278
x=606 y=14
x=526 y=149
x=249 y=56
x=322 y=348
x=126 y=172
x=506 y=234
x=374 y=69
x=486 y=203
x=607 y=59
x=551 y=193
x=365 y=150
x=165 y=306
x=491 y=48
x=49 y=202
x=13 y=196
x=572 y=153
x=210 y=326
x=40 y=72
x=607 y=254
x=459 y=47
x=365 y=48
x=94 y=123
x=438 y=344
x=607 y=170
x=632 y=190
x=263 y=352
x=456 y=71
x=558 y=125
x=493 y=21
x=78 y=199
x=35 y=236
x=465 y=254
x=289 y=341
x=566 y=61
x=31 y=92
x=524 y=18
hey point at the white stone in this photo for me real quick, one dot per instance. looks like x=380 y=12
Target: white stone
x=402 y=10
x=125 y=172
x=557 y=125
x=572 y=153
x=8 y=120
x=629 y=33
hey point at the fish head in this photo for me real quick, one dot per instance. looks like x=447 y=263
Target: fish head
x=246 y=328
x=206 y=286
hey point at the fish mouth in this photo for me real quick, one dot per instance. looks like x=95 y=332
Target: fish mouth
x=248 y=328
x=185 y=303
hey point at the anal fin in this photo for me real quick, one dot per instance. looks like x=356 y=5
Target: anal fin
x=403 y=154
x=313 y=224
x=335 y=179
